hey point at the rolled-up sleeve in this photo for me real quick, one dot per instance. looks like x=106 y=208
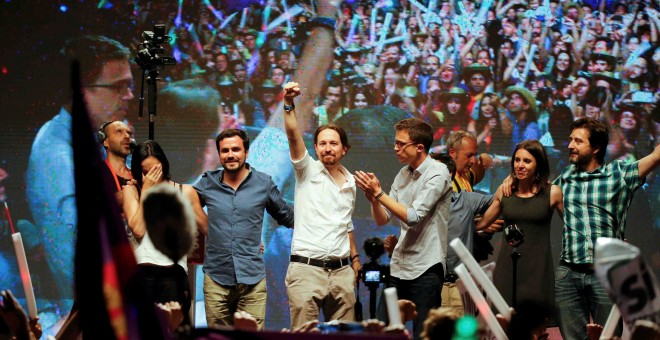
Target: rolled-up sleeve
x=427 y=199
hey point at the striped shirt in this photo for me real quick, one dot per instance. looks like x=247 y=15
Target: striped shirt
x=595 y=205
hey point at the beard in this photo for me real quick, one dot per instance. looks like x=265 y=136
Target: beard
x=233 y=166
x=579 y=159
x=329 y=159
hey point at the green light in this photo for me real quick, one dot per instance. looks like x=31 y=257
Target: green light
x=466 y=328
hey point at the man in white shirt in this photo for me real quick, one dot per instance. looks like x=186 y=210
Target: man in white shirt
x=324 y=260
x=419 y=198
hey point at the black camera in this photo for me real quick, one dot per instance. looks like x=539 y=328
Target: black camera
x=373 y=273
x=151 y=56
x=514 y=235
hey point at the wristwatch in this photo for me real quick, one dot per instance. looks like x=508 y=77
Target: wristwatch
x=288 y=108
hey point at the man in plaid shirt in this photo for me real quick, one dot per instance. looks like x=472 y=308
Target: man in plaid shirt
x=596 y=201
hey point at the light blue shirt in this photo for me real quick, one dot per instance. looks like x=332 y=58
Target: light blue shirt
x=50 y=191
x=426 y=191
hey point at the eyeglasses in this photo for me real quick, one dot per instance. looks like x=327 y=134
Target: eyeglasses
x=116 y=87
x=400 y=145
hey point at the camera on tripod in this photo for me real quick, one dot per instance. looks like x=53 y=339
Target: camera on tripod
x=373 y=273
x=514 y=235
x=151 y=55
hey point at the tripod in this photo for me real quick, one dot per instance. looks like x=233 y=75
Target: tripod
x=150 y=59
x=514 y=237
x=515 y=256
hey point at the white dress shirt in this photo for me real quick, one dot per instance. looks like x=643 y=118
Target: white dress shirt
x=426 y=191
x=322 y=211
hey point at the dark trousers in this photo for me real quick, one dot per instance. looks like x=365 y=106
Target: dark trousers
x=166 y=284
x=424 y=291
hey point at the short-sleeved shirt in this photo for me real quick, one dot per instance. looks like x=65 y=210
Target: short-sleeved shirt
x=323 y=211
x=464 y=205
x=595 y=205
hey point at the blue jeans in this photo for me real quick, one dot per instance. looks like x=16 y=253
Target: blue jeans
x=424 y=291
x=579 y=295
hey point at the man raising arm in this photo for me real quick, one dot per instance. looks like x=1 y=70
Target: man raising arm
x=322 y=248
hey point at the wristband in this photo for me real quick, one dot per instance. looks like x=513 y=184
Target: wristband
x=379 y=195
x=356 y=256
x=326 y=22
x=288 y=108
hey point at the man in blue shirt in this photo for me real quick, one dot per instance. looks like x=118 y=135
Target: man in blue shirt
x=236 y=197
x=107 y=89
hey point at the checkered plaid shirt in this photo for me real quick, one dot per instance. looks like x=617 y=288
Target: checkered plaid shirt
x=595 y=205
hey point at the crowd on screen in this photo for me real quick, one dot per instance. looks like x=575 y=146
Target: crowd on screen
x=507 y=71
x=449 y=63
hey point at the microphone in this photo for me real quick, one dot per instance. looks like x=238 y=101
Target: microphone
x=133 y=144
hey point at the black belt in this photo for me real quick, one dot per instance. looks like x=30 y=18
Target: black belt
x=584 y=268
x=325 y=264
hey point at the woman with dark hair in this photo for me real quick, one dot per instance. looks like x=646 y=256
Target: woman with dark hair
x=492 y=136
x=624 y=133
x=453 y=115
x=563 y=66
x=530 y=209
x=360 y=97
x=166 y=280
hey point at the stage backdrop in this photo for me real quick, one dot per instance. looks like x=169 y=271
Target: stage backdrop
x=33 y=87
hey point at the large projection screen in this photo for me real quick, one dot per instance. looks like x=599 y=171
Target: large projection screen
x=34 y=86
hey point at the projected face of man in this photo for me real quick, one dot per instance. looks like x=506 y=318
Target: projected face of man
x=221 y=63
x=250 y=42
x=477 y=83
x=277 y=76
x=332 y=96
x=517 y=103
x=239 y=72
x=107 y=98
